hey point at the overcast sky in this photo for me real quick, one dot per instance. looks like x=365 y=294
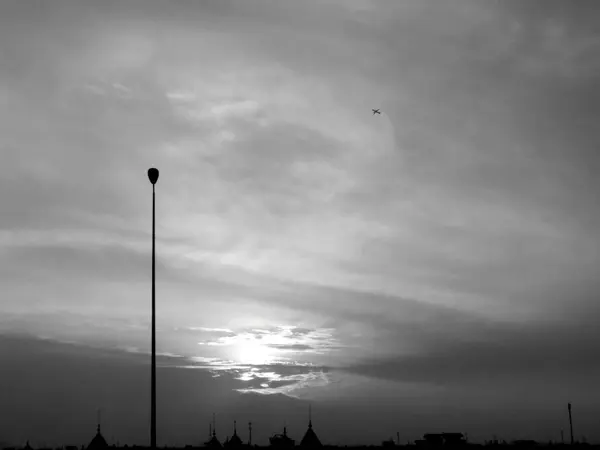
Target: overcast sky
x=432 y=268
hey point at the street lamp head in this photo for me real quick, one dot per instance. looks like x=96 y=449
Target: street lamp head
x=153 y=175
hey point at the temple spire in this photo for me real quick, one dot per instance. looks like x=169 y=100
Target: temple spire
x=98 y=442
x=310 y=439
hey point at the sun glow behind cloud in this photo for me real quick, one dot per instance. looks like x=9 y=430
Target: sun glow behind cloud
x=262 y=346
x=251 y=352
x=283 y=377
x=270 y=361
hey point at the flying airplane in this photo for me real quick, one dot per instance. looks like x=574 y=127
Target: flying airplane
x=375 y=111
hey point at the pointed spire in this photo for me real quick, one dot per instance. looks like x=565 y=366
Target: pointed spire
x=234 y=427
x=310 y=439
x=214 y=425
x=98 y=442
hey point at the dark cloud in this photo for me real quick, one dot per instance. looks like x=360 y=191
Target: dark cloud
x=108 y=263
x=44 y=401
x=301 y=331
x=201 y=332
x=494 y=353
x=119 y=384
x=300 y=347
x=62 y=409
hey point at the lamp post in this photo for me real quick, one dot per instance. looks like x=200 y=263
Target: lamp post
x=153 y=176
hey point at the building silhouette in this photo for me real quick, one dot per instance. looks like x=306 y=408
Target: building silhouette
x=389 y=443
x=213 y=442
x=282 y=440
x=310 y=439
x=98 y=442
x=441 y=439
x=430 y=441
x=235 y=441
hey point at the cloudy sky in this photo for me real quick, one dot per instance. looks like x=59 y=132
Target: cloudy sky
x=432 y=268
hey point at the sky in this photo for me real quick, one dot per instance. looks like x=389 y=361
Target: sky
x=432 y=268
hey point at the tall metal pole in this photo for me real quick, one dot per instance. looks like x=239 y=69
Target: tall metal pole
x=153 y=176
x=153 y=424
x=571 y=424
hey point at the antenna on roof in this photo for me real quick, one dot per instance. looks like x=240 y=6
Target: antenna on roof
x=571 y=424
x=309 y=416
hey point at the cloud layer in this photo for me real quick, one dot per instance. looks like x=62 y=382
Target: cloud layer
x=306 y=247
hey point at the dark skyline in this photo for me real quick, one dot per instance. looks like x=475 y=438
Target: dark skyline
x=185 y=399
x=431 y=267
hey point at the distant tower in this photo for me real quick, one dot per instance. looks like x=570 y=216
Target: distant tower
x=310 y=438
x=398 y=437
x=250 y=433
x=571 y=424
x=98 y=443
x=213 y=442
x=281 y=440
x=235 y=441
x=562 y=436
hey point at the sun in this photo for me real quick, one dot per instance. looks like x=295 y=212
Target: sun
x=252 y=352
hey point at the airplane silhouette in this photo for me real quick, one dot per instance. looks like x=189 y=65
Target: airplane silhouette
x=375 y=111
